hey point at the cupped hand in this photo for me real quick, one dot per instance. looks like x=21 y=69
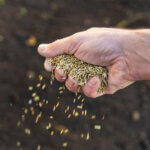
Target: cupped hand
x=99 y=46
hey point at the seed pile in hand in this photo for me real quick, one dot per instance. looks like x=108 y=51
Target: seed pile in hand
x=80 y=70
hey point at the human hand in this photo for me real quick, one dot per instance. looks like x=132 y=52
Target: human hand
x=99 y=46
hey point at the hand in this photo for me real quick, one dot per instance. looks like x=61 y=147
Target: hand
x=99 y=46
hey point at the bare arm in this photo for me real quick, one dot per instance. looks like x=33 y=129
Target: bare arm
x=126 y=54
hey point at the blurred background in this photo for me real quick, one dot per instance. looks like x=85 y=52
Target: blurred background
x=24 y=24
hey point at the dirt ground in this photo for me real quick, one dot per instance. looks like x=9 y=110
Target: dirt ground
x=24 y=24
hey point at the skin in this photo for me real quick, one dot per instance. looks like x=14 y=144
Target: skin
x=126 y=54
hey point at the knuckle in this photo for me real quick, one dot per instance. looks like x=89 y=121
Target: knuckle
x=92 y=29
x=75 y=38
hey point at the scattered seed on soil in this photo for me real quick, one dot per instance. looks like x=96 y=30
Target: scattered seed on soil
x=97 y=127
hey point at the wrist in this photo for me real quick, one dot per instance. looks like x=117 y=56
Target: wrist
x=138 y=55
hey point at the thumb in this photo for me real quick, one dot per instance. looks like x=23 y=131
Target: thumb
x=66 y=45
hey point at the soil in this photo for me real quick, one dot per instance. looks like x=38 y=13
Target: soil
x=127 y=123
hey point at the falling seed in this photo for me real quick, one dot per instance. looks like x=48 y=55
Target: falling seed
x=32 y=110
x=79 y=97
x=69 y=116
x=73 y=111
x=82 y=112
x=76 y=93
x=135 y=115
x=38 y=147
x=60 y=92
x=67 y=109
x=38 y=117
x=76 y=114
x=46 y=101
x=93 y=117
x=85 y=112
x=88 y=136
x=79 y=106
x=65 y=144
x=18 y=143
x=51 y=82
x=33 y=94
x=30 y=101
x=36 y=98
x=18 y=123
x=30 y=88
x=57 y=104
x=51 y=117
x=83 y=99
x=31 y=41
x=61 y=88
x=43 y=86
x=38 y=85
x=82 y=135
x=97 y=127
x=23 y=117
x=61 y=132
x=40 y=77
x=103 y=117
x=48 y=126
x=40 y=104
x=52 y=133
x=74 y=100
x=79 y=89
x=66 y=131
x=26 y=111
x=54 y=108
x=27 y=131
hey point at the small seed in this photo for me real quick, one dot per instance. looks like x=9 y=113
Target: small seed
x=65 y=144
x=97 y=127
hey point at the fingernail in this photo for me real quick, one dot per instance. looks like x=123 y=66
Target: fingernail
x=42 y=47
x=48 y=67
x=61 y=73
x=92 y=82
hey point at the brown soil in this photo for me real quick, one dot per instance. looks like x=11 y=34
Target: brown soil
x=127 y=123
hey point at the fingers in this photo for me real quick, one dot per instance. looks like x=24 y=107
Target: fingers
x=56 y=48
x=63 y=46
x=47 y=66
x=91 y=87
x=60 y=75
x=72 y=84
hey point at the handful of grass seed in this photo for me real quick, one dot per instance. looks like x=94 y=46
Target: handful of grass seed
x=80 y=70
